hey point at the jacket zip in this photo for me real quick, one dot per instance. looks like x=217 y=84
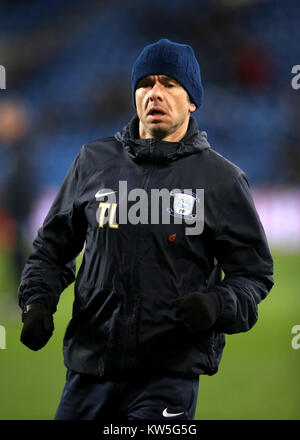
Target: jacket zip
x=130 y=302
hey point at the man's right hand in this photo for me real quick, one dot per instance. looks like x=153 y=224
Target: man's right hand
x=38 y=326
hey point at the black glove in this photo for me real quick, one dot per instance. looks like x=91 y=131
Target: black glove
x=198 y=310
x=38 y=326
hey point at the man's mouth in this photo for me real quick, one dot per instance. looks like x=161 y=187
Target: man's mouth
x=155 y=112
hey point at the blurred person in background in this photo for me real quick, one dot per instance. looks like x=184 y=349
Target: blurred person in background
x=18 y=186
x=150 y=312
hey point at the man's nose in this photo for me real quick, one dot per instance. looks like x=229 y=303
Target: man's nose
x=156 y=92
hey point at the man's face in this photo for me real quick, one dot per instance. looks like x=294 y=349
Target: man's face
x=163 y=107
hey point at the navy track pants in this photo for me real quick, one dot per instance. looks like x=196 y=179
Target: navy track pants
x=87 y=397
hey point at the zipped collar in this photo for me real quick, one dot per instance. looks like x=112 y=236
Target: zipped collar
x=159 y=151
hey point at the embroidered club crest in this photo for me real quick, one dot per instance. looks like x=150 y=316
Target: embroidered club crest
x=183 y=203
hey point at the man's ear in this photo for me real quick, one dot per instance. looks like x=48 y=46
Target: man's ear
x=192 y=107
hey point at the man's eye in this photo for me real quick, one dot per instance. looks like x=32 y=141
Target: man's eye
x=170 y=85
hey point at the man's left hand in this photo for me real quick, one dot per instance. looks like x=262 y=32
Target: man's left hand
x=199 y=310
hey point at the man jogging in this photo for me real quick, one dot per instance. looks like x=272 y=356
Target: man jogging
x=155 y=207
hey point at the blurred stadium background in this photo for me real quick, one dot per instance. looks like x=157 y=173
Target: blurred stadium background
x=68 y=67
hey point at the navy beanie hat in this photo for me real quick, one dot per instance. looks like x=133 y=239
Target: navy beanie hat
x=172 y=59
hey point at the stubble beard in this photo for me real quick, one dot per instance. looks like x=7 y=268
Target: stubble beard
x=159 y=133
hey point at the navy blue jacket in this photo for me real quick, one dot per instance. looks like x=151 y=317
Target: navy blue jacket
x=122 y=321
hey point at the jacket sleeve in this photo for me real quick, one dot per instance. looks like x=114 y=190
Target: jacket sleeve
x=242 y=250
x=50 y=267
